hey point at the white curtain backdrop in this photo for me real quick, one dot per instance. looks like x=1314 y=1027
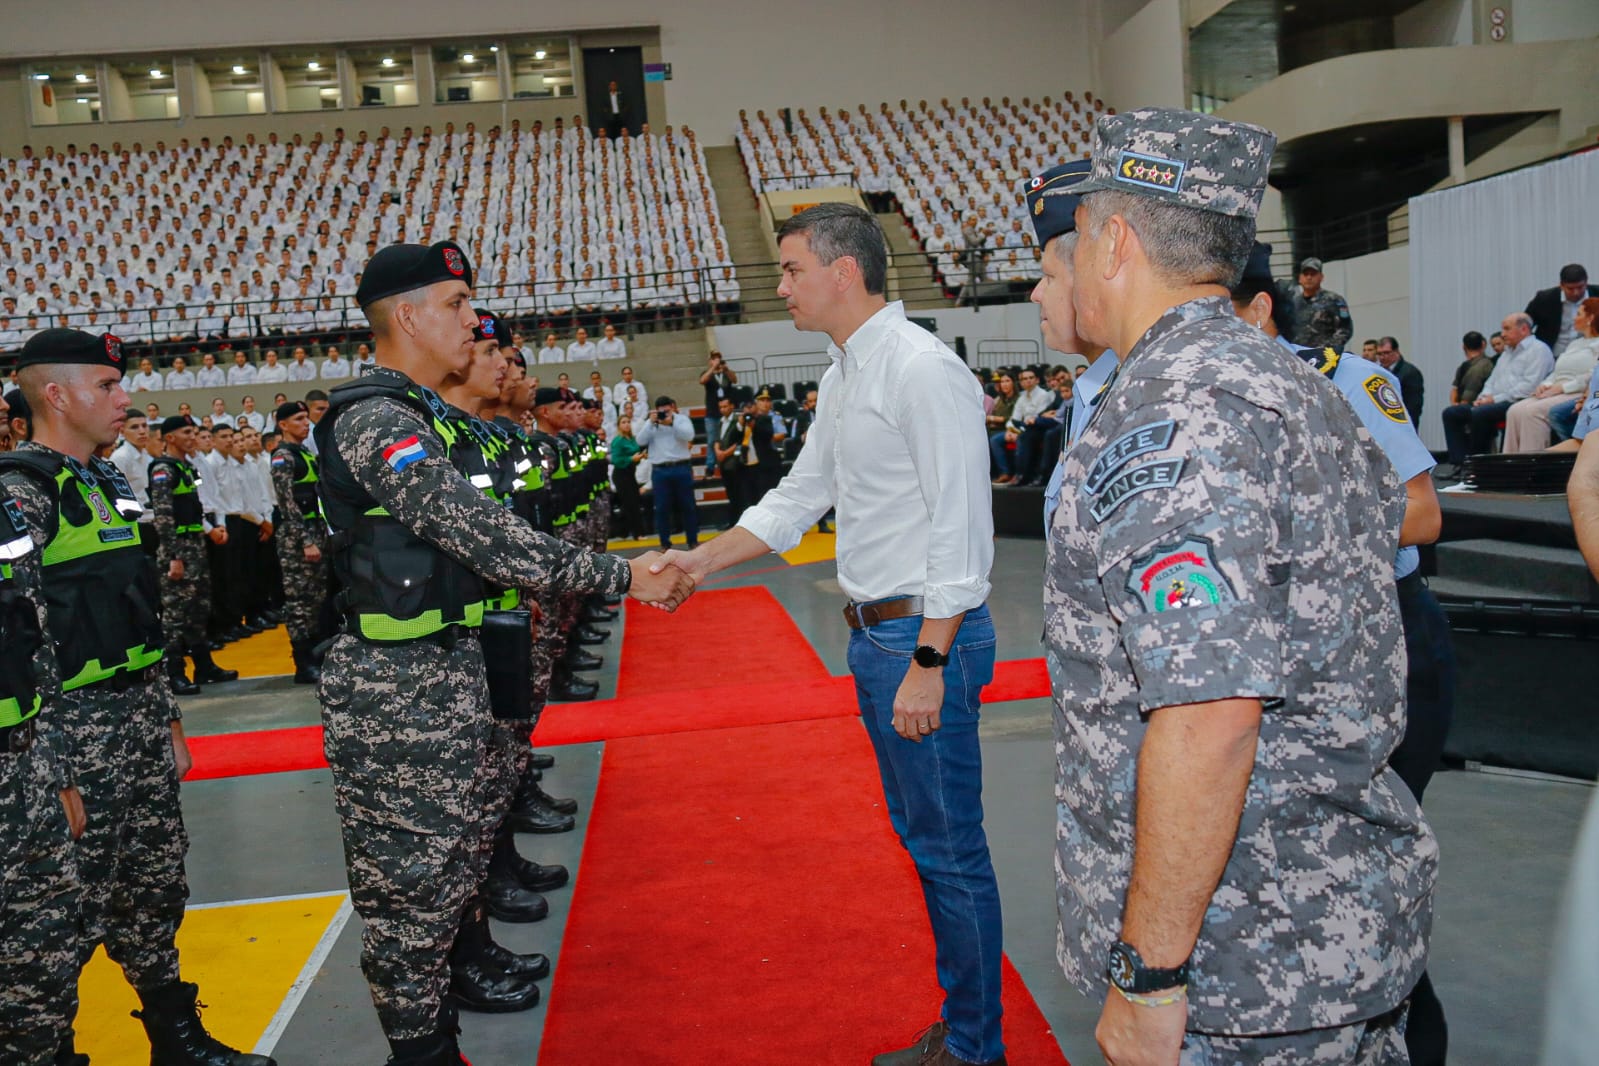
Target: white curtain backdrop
x=1480 y=251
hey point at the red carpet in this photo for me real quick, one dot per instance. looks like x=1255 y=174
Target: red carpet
x=742 y=899
x=263 y=751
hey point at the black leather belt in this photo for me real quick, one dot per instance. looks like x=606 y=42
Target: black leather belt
x=17 y=738
x=673 y=462
x=870 y=613
x=124 y=681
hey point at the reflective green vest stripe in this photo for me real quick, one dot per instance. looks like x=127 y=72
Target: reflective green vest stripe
x=383 y=628
x=505 y=601
x=11 y=712
x=93 y=670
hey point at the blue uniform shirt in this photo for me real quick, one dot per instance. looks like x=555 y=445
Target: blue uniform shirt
x=1374 y=394
x=1085 y=395
x=1588 y=414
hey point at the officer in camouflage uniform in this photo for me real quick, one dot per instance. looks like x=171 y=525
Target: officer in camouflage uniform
x=404 y=697
x=302 y=537
x=1321 y=316
x=1236 y=857
x=182 y=528
x=551 y=416
x=595 y=611
x=38 y=869
x=116 y=724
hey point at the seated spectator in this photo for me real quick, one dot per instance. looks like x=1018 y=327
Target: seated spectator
x=300 y=366
x=334 y=366
x=611 y=346
x=210 y=376
x=146 y=380
x=1041 y=438
x=1586 y=416
x=242 y=372
x=219 y=412
x=552 y=352
x=1496 y=341
x=1412 y=389
x=999 y=412
x=271 y=372
x=1554 y=310
x=180 y=376
x=582 y=350
x=1469 y=428
x=1030 y=403
x=363 y=359
x=1527 y=421
x=249 y=416
x=213 y=326
x=1473 y=371
x=619 y=392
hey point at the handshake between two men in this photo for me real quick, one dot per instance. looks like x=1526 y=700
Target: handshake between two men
x=666 y=579
x=659 y=584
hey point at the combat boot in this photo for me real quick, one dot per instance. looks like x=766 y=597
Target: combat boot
x=578 y=659
x=594 y=610
x=177 y=677
x=440 y=1049
x=530 y=814
x=509 y=900
x=305 y=670
x=475 y=932
x=541 y=760
x=530 y=785
x=584 y=634
x=537 y=876
x=171 y=1018
x=207 y=672
x=479 y=985
x=567 y=687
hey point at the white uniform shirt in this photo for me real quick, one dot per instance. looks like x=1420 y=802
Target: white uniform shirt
x=305 y=371
x=270 y=374
x=668 y=447
x=899 y=448
x=553 y=354
x=612 y=349
x=210 y=377
x=142 y=382
x=241 y=375
x=181 y=379
x=586 y=352
x=619 y=392
x=135 y=466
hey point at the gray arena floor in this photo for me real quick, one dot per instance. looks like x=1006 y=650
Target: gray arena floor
x=1505 y=845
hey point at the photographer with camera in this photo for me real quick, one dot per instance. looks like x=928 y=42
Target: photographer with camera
x=668 y=435
x=718 y=380
x=727 y=451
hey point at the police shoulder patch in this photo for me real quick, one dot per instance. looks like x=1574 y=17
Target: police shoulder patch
x=1162 y=474
x=1154 y=437
x=1179 y=575
x=1385 y=397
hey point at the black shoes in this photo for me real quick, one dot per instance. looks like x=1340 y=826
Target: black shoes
x=207 y=672
x=171 y=1018
x=531 y=788
x=531 y=813
x=597 y=612
x=585 y=634
x=478 y=980
x=306 y=671
x=542 y=760
x=578 y=659
x=440 y=1049
x=177 y=677
x=928 y=1050
x=567 y=687
x=536 y=876
x=511 y=901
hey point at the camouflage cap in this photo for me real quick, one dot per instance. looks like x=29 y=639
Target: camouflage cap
x=1182 y=157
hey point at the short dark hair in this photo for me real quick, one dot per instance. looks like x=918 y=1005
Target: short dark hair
x=1572 y=273
x=1369 y=340
x=1282 y=315
x=315 y=394
x=1474 y=341
x=837 y=229
x=1392 y=342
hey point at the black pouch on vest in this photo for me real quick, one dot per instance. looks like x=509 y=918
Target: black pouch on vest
x=507 y=639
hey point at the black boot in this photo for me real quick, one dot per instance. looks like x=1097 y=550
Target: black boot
x=440 y=1049
x=305 y=671
x=567 y=687
x=532 y=966
x=537 y=876
x=531 y=787
x=530 y=814
x=590 y=635
x=542 y=760
x=578 y=659
x=177 y=678
x=478 y=984
x=207 y=672
x=171 y=1018
x=509 y=900
x=68 y=1055
x=598 y=612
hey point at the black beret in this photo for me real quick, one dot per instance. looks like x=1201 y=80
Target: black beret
x=54 y=347
x=289 y=410
x=488 y=328
x=176 y=422
x=1258 y=268
x=547 y=394
x=403 y=267
x=589 y=405
x=518 y=358
x=1050 y=202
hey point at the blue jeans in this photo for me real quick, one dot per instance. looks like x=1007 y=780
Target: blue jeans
x=934 y=794
x=673 y=487
x=713 y=430
x=998 y=452
x=1563 y=417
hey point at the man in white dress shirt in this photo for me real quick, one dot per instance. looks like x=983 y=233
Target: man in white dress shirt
x=180 y=376
x=612 y=346
x=242 y=372
x=301 y=368
x=271 y=372
x=146 y=380
x=582 y=350
x=619 y=393
x=335 y=366
x=210 y=376
x=903 y=458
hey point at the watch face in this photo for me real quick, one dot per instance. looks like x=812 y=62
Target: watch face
x=926 y=655
x=1122 y=967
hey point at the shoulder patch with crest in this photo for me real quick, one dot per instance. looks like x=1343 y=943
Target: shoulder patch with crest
x=1179 y=575
x=1385 y=397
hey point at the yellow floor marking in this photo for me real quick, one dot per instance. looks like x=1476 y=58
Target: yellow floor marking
x=261 y=655
x=246 y=958
x=814 y=548
x=678 y=541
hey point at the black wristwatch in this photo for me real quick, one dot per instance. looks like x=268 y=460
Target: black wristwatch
x=1128 y=972
x=928 y=656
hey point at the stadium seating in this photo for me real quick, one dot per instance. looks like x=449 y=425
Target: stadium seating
x=195 y=246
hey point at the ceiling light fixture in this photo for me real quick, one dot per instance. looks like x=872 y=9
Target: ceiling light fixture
x=41 y=77
x=155 y=72
x=313 y=65
x=83 y=77
x=540 y=54
x=388 y=61
x=237 y=69
x=468 y=57
x=494 y=48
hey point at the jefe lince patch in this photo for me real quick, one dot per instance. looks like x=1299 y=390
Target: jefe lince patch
x=1181 y=575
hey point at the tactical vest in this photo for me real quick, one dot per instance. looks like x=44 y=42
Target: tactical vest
x=478 y=450
x=303 y=471
x=541 y=505
x=20 y=636
x=561 y=480
x=187 y=514
x=100 y=587
x=396 y=587
x=572 y=458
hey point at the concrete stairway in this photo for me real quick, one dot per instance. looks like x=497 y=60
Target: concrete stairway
x=746 y=237
x=910 y=274
x=1499 y=569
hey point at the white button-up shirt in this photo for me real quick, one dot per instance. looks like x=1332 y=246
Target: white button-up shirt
x=1519 y=370
x=898 y=447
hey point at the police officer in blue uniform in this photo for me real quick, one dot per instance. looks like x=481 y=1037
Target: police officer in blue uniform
x=1374 y=395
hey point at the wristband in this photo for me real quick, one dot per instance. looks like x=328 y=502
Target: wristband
x=1155 y=1001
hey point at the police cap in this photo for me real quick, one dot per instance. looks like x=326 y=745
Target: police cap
x=288 y=410
x=1182 y=157
x=1052 y=199
x=489 y=327
x=404 y=267
x=55 y=347
x=550 y=394
x=1310 y=264
x=173 y=423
